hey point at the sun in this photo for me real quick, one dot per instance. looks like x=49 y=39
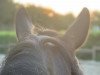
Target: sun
x=63 y=6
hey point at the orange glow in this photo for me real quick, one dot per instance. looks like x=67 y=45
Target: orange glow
x=64 y=6
x=49 y=12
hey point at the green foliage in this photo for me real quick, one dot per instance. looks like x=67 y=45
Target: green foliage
x=7 y=9
x=94 y=40
x=96 y=18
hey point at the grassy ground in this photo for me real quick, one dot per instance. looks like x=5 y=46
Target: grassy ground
x=6 y=38
x=9 y=37
x=93 y=39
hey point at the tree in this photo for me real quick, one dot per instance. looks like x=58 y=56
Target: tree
x=96 y=18
x=7 y=9
x=49 y=19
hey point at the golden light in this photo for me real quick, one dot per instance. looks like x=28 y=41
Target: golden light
x=64 y=6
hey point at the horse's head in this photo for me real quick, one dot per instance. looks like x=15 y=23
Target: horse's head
x=46 y=52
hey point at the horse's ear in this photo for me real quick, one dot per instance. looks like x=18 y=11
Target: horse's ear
x=23 y=24
x=77 y=33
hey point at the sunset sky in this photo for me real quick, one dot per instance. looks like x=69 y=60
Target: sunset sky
x=64 y=6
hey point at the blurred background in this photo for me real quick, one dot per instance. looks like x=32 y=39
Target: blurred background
x=58 y=15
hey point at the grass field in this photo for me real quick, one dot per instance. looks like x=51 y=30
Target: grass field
x=7 y=37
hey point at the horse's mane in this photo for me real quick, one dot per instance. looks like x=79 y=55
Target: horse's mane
x=44 y=31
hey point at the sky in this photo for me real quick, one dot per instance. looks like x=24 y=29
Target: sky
x=64 y=6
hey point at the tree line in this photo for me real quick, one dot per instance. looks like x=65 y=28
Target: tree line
x=40 y=16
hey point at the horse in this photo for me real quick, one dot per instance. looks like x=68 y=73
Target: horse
x=46 y=52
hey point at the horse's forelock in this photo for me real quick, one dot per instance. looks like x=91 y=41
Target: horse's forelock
x=43 y=31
